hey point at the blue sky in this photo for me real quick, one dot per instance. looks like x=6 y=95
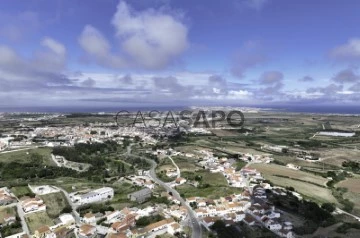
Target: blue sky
x=172 y=52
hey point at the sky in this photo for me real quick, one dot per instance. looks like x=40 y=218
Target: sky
x=149 y=53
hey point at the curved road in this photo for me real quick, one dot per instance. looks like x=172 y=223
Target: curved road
x=196 y=227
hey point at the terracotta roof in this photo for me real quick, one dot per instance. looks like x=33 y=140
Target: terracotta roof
x=86 y=229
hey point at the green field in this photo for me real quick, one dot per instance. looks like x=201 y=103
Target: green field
x=213 y=192
x=21 y=191
x=37 y=220
x=23 y=156
x=55 y=203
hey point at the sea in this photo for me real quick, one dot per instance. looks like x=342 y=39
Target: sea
x=320 y=109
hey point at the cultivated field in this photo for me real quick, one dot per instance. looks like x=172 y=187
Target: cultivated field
x=352 y=184
x=273 y=169
x=315 y=192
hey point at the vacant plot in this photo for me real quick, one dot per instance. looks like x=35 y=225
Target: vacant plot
x=273 y=170
x=185 y=164
x=37 y=220
x=212 y=192
x=21 y=191
x=352 y=184
x=315 y=192
x=205 y=177
x=55 y=203
x=353 y=193
x=24 y=156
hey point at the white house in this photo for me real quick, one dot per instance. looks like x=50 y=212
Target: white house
x=98 y=195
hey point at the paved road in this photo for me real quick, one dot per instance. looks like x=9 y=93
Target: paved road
x=196 y=227
x=22 y=218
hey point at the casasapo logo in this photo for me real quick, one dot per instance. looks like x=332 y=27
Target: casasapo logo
x=185 y=118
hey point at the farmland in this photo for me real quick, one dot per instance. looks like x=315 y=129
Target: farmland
x=273 y=170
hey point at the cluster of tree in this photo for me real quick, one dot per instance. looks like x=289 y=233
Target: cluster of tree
x=10 y=229
x=336 y=177
x=352 y=165
x=18 y=137
x=314 y=215
x=310 y=143
x=338 y=194
x=346 y=226
x=95 y=208
x=146 y=220
x=16 y=170
x=153 y=157
x=86 y=153
x=121 y=168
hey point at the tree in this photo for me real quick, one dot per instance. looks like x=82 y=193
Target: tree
x=328 y=207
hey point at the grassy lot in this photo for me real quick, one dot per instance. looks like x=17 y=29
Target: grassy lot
x=214 y=179
x=315 y=192
x=21 y=191
x=185 y=164
x=121 y=191
x=55 y=203
x=353 y=192
x=273 y=169
x=68 y=183
x=212 y=192
x=24 y=156
x=352 y=184
x=37 y=220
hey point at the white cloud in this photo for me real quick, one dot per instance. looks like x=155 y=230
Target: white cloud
x=150 y=39
x=54 y=46
x=98 y=47
x=349 y=51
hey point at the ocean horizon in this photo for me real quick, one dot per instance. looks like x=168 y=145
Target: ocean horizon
x=320 y=109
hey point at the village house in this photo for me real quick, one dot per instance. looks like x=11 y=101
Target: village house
x=8 y=219
x=6 y=197
x=160 y=227
x=89 y=218
x=87 y=231
x=33 y=205
x=44 y=232
x=111 y=216
x=180 y=181
x=67 y=220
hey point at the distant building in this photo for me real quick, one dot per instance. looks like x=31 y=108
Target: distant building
x=140 y=196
